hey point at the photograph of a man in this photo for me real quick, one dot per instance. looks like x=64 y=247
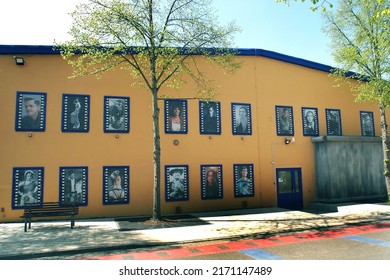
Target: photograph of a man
x=176 y=186
x=243 y=180
x=210 y=119
x=30 y=112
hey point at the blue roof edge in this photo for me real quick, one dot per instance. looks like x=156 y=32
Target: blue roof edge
x=48 y=49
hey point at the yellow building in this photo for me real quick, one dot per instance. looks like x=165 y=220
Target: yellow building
x=94 y=130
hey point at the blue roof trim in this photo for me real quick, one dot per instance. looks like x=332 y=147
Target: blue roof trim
x=43 y=49
x=27 y=49
x=286 y=58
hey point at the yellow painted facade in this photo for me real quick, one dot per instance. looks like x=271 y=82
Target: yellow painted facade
x=262 y=82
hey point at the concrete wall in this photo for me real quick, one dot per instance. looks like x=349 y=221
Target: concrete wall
x=348 y=168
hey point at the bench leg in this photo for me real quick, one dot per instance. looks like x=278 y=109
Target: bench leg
x=72 y=222
x=25 y=225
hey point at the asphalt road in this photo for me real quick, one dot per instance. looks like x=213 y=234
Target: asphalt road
x=364 y=242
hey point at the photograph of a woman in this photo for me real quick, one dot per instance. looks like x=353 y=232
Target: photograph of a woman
x=75 y=113
x=367 y=123
x=333 y=122
x=116 y=114
x=241 y=116
x=115 y=185
x=211 y=181
x=175 y=116
x=27 y=186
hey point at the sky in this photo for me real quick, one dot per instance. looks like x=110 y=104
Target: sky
x=291 y=30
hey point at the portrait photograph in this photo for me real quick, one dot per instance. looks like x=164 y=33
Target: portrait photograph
x=74 y=185
x=241 y=119
x=116 y=114
x=284 y=120
x=210 y=117
x=116 y=185
x=176 y=183
x=310 y=121
x=75 y=113
x=27 y=186
x=30 y=111
x=211 y=181
x=333 y=122
x=367 y=123
x=243 y=180
x=175 y=116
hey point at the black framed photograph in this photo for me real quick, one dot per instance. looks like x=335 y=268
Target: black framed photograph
x=241 y=119
x=211 y=181
x=333 y=122
x=210 y=117
x=75 y=113
x=116 y=114
x=74 y=185
x=176 y=183
x=284 y=120
x=175 y=116
x=27 y=186
x=310 y=121
x=116 y=185
x=243 y=180
x=30 y=111
x=367 y=123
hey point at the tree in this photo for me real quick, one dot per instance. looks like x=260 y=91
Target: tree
x=360 y=35
x=316 y=4
x=156 y=41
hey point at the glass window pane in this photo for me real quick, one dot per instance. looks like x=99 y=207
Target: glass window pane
x=297 y=181
x=285 y=182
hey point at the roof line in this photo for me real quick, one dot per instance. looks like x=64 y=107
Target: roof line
x=48 y=49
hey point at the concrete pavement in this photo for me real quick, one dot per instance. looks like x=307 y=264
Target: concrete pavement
x=55 y=238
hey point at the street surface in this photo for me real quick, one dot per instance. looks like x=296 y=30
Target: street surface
x=363 y=242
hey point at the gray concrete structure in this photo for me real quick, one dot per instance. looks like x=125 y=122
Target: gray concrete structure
x=348 y=168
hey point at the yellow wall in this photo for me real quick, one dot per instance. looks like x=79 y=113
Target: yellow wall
x=262 y=82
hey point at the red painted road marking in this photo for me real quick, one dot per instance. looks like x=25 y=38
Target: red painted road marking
x=191 y=251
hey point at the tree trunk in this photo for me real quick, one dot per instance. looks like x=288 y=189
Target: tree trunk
x=386 y=171
x=156 y=158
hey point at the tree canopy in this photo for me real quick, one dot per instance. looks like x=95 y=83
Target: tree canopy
x=130 y=34
x=323 y=4
x=360 y=35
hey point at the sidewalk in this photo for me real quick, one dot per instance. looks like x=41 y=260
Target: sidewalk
x=52 y=238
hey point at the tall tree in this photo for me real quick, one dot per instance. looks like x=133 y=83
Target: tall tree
x=156 y=41
x=360 y=35
x=316 y=3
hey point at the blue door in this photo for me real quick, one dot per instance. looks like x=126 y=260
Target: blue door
x=289 y=187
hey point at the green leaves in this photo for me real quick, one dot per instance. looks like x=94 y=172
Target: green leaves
x=361 y=43
x=323 y=4
x=154 y=40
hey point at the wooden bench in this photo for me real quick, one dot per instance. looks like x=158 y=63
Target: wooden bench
x=49 y=209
